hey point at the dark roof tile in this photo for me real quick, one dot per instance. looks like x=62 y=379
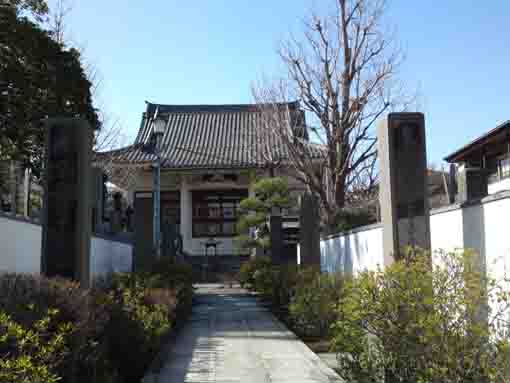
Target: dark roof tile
x=207 y=136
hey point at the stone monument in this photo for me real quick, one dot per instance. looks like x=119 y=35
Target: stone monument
x=66 y=206
x=403 y=183
x=96 y=199
x=276 y=235
x=472 y=183
x=309 y=231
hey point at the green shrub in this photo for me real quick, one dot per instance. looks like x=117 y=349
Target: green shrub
x=303 y=297
x=163 y=273
x=171 y=273
x=28 y=300
x=278 y=284
x=285 y=279
x=415 y=323
x=246 y=272
x=112 y=332
x=146 y=305
x=140 y=317
x=313 y=306
x=255 y=210
x=32 y=355
x=177 y=277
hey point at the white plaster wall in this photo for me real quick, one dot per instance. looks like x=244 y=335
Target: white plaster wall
x=20 y=246
x=497 y=237
x=20 y=250
x=481 y=227
x=446 y=230
x=497 y=245
x=354 y=252
x=109 y=257
x=499 y=186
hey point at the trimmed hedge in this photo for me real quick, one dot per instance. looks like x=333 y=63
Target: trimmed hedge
x=28 y=300
x=51 y=330
x=246 y=275
x=301 y=296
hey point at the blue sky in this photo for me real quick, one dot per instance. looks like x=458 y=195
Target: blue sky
x=210 y=51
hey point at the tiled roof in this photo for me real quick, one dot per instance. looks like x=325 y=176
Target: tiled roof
x=207 y=136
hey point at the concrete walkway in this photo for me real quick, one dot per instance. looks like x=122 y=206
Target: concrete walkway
x=232 y=339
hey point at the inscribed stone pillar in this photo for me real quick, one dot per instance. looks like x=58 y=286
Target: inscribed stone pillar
x=309 y=231
x=452 y=184
x=27 y=185
x=66 y=208
x=276 y=237
x=403 y=183
x=14 y=181
x=473 y=183
x=96 y=198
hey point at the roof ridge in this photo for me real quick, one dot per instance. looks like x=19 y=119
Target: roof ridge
x=206 y=108
x=218 y=105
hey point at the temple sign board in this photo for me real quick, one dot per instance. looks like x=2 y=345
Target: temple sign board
x=403 y=183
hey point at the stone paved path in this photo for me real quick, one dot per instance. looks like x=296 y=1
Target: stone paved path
x=232 y=339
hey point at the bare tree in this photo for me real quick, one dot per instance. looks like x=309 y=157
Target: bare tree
x=343 y=73
x=112 y=135
x=57 y=25
x=57 y=20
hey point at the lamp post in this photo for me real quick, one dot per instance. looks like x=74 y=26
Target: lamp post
x=159 y=125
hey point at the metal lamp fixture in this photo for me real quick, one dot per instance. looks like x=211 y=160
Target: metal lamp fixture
x=158 y=126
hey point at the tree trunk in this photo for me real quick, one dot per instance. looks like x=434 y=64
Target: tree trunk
x=340 y=192
x=333 y=208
